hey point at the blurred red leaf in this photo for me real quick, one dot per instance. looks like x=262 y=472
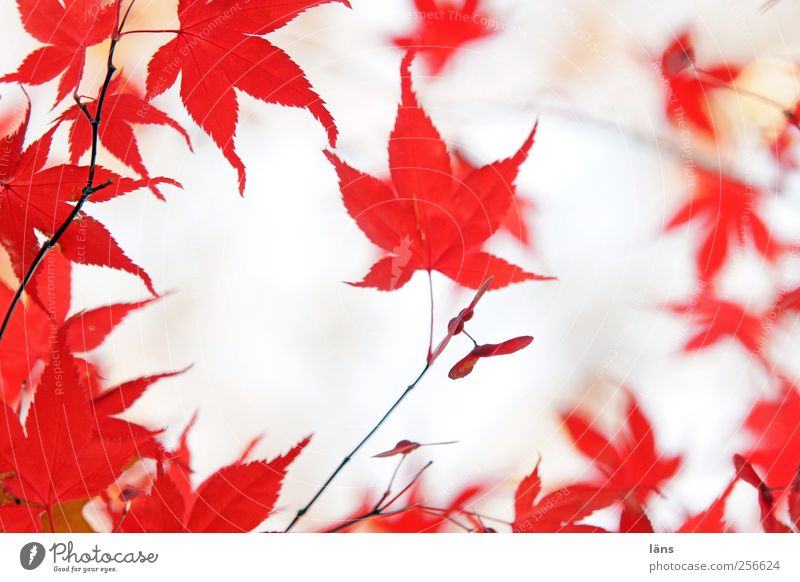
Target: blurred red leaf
x=631 y=463
x=442 y=27
x=687 y=88
x=727 y=212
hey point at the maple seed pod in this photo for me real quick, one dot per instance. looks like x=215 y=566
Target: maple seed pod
x=403 y=447
x=464 y=366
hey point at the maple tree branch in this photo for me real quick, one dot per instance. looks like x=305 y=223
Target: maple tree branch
x=90 y=187
x=302 y=511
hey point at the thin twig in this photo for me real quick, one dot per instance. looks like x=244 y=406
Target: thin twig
x=301 y=512
x=380 y=510
x=430 y=334
x=90 y=187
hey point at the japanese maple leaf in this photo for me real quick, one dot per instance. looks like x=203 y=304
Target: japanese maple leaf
x=236 y=498
x=443 y=27
x=727 y=212
x=124 y=109
x=66 y=28
x=559 y=511
x=56 y=456
x=716 y=320
x=217 y=49
x=774 y=424
x=687 y=88
x=424 y=220
x=34 y=199
x=631 y=462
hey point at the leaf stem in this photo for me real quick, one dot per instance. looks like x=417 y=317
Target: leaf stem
x=302 y=511
x=90 y=187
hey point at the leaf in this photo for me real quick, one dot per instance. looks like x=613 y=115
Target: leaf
x=125 y=109
x=442 y=28
x=464 y=366
x=66 y=28
x=772 y=424
x=630 y=462
x=59 y=457
x=34 y=200
x=727 y=210
x=715 y=320
x=217 y=50
x=687 y=88
x=423 y=219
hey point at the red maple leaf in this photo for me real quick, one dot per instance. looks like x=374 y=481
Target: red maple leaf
x=443 y=27
x=716 y=320
x=34 y=199
x=774 y=424
x=236 y=498
x=726 y=209
x=58 y=455
x=124 y=109
x=66 y=28
x=630 y=464
x=426 y=221
x=217 y=49
x=560 y=510
x=687 y=88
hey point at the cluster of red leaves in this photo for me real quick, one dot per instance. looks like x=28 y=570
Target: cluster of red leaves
x=443 y=27
x=424 y=219
x=69 y=445
x=217 y=49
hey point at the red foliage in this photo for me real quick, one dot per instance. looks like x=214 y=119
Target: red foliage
x=228 y=53
x=66 y=28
